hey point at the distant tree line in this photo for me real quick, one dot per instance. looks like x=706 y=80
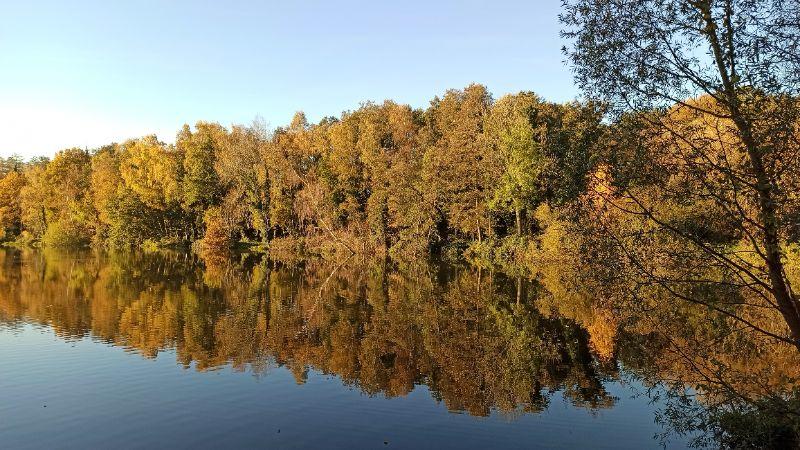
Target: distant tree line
x=384 y=177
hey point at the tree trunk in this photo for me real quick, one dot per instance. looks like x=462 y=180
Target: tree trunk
x=768 y=218
x=767 y=211
x=787 y=304
x=477 y=221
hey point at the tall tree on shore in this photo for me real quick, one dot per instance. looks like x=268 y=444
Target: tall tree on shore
x=10 y=210
x=56 y=202
x=244 y=178
x=459 y=169
x=512 y=134
x=743 y=58
x=201 y=186
x=152 y=171
x=106 y=182
x=283 y=157
x=152 y=174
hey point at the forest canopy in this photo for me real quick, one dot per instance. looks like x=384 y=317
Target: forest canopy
x=384 y=177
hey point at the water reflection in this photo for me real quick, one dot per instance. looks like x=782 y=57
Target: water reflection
x=476 y=339
x=479 y=341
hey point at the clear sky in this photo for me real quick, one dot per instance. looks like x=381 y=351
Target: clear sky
x=84 y=73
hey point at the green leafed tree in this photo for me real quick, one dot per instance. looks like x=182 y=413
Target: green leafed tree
x=201 y=184
x=512 y=133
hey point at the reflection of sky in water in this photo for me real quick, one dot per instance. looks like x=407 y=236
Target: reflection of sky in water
x=97 y=395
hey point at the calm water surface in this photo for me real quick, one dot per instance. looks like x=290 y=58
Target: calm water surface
x=140 y=350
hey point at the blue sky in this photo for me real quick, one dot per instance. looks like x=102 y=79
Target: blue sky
x=84 y=73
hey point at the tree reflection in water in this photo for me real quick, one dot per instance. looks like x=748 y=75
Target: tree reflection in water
x=480 y=342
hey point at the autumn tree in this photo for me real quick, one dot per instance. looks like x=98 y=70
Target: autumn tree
x=106 y=182
x=216 y=239
x=735 y=67
x=364 y=146
x=12 y=163
x=396 y=172
x=33 y=198
x=122 y=218
x=10 y=209
x=244 y=179
x=344 y=167
x=56 y=203
x=152 y=173
x=200 y=187
x=317 y=209
x=458 y=168
x=283 y=156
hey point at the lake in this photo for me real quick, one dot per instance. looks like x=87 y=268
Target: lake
x=138 y=350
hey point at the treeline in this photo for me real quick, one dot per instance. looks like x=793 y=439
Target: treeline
x=383 y=178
